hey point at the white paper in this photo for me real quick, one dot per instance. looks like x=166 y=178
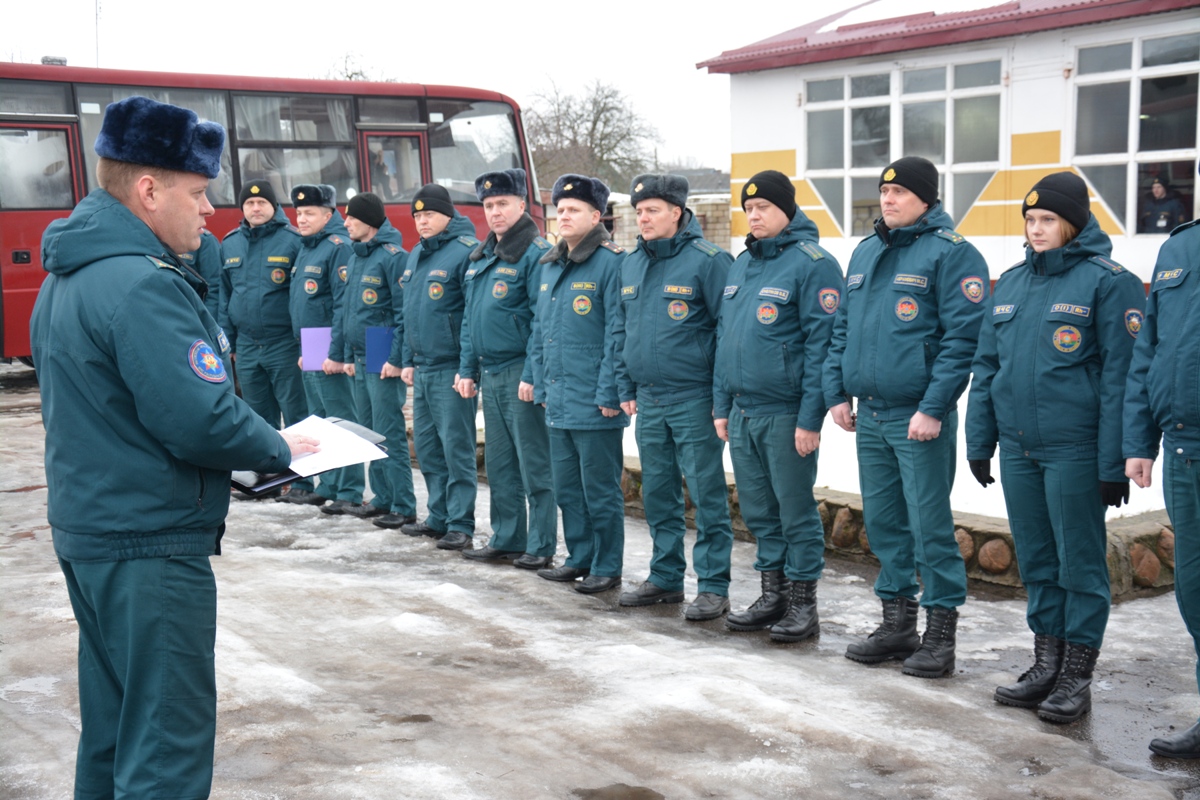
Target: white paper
x=339 y=447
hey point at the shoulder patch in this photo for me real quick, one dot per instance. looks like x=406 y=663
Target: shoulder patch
x=811 y=250
x=706 y=247
x=185 y=257
x=607 y=245
x=954 y=237
x=391 y=248
x=469 y=241
x=541 y=244
x=1108 y=264
x=333 y=237
x=158 y=262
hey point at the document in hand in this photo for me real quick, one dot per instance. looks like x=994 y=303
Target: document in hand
x=342 y=443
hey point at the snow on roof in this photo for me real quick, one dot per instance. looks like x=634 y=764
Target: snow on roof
x=825 y=40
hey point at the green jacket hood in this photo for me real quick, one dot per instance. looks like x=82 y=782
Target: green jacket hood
x=800 y=229
x=1090 y=242
x=100 y=227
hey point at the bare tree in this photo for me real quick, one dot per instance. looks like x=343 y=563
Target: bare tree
x=596 y=133
x=351 y=70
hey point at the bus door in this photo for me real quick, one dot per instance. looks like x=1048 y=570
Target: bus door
x=393 y=168
x=40 y=181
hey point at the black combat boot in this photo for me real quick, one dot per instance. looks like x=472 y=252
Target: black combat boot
x=1071 y=697
x=768 y=609
x=1036 y=684
x=896 y=637
x=801 y=620
x=935 y=657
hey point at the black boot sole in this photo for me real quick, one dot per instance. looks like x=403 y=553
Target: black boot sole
x=879 y=659
x=929 y=673
x=1064 y=719
x=1005 y=701
x=793 y=637
x=749 y=627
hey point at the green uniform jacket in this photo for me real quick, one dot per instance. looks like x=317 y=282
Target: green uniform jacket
x=205 y=261
x=776 y=320
x=256 y=275
x=374 y=297
x=142 y=424
x=1054 y=350
x=501 y=295
x=670 y=297
x=319 y=279
x=906 y=331
x=433 y=296
x=1162 y=397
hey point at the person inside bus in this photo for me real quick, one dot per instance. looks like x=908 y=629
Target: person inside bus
x=1162 y=210
x=1061 y=328
x=443 y=420
x=256 y=273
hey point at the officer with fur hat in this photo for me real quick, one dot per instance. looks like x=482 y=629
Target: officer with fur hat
x=1061 y=328
x=257 y=260
x=773 y=336
x=671 y=287
x=578 y=337
x=443 y=421
x=318 y=284
x=501 y=292
x=1161 y=407
x=902 y=344
x=142 y=430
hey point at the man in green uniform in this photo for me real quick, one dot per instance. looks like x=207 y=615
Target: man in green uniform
x=671 y=287
x=501 y=293
x=142 y=430
x=902 y=344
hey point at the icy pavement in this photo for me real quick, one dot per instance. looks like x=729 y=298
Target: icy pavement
x=354 y=662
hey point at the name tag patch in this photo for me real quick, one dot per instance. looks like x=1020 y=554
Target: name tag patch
x=684 y=291
x=781 y=295
x=312 y=269
x=509 y=271
x=919 y=281
x=437 y=273
x=373 y=280
x=730 y=291
x=1070 y=308
x=854 y=280
x=583 y=286
x=1004 y=309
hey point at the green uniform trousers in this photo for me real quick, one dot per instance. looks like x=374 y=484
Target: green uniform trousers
x=268 y=373
x=1057 y=522
x=517 y=457
x=905 y=488
x=380 y=405
x=147 y=682
x=775 y=493
x=1181 y=490
x=444 y=436
x=333 y=396
x=675 y=441
x=587 y=468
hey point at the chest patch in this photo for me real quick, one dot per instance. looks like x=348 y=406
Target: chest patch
x=829 y=298
x=374 y=280
x=1007 y=308
x=311 y=286
x=907 y=309
x=313 y=269
x=278 y=260
x=781 y=295
x=682 y=291
x=854 y=280
x=1070 y=308
x=1164 y=275
x=509 y=271
x=919 y=281
x=1133 y=321
x=436 y=290
x=583 y=286
x=730 y=291
x=972 y=288
x=628 y=291
x=499 y=289
x=278 y=275
x=370 y=296
x=205 y=362
x=582 y=304
x=437 y=273
x=677 y=309
x=767 y=313
x=1067 y=339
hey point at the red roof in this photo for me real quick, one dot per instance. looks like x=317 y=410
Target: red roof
x=809 y=44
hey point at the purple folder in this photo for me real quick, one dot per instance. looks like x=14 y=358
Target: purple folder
x=314 y=347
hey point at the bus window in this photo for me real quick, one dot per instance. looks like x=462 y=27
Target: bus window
x=467 y=138
x=286 y=167
x=395 y=166
x=389 y=110
x=32 y=97
x=208 y=105
x=35 y=170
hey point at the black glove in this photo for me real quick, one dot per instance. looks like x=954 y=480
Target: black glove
x=1113 y=493
x=982 y=470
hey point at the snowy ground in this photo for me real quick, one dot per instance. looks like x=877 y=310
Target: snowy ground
x=358 y=663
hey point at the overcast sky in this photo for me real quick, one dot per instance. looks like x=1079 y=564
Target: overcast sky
x=648 y=50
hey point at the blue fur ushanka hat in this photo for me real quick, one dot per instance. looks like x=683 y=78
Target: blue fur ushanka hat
x=314 y=194
x=142 y=131
x=672 y=188
x=579 y=187
x=510 y=181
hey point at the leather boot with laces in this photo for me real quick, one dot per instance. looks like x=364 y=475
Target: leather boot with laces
x=768 y=609
x=800 y=621
x=1036 y=684
x=896 y=637
x=935 y=657
x=1071 y=697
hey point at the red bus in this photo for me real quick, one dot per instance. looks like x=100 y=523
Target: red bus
x=386 y=138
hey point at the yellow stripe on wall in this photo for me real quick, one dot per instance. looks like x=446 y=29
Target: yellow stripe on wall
x=1005 y=194
x=746 y=164
x=1036 y=148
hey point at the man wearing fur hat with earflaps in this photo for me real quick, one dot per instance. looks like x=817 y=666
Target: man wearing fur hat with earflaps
x=142 y=431
x=902 y=344
x=501 y=287
x=576 y=353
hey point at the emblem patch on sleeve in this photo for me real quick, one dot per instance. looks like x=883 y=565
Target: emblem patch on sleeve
x=205 y=362
x=907 y=309
x=830 y=298
x=1133 y=321
x=972 y=288
x=342 y=273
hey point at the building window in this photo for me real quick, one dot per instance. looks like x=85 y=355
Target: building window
x=1153 y=85
x=949 y=114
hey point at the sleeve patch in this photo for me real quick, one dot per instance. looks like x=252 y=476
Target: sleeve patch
x=1133 y=321
x=830 y=298
x=205 y=363
x=972 y=288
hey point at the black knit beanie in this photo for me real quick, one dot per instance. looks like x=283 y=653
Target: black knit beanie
x=432 y=197
x=258 y=189
x=367 y=208
x=774 y=187
x=1065 y=194
x=914 y=173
